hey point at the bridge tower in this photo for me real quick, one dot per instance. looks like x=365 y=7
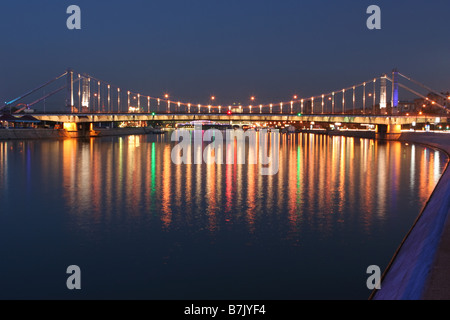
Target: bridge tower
x=69 y=98
x=394 y=91
x=383 y=94
x=85 y=92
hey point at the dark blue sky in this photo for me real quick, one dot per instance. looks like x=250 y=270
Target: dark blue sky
x=232 y=49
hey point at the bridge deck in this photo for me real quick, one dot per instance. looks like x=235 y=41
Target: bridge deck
x=252 y=117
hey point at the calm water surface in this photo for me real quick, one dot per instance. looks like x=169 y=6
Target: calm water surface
x=141 y=227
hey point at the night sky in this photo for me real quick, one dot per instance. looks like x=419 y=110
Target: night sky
x=232 y=49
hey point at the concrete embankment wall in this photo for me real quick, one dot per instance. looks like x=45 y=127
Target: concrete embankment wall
x=119 y=131
x=36 y=134
x=26 y=134
x=344 y=133
x=353 y=133
x=419 y=268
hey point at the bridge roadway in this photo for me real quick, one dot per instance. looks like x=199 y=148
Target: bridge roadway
x=388 y=120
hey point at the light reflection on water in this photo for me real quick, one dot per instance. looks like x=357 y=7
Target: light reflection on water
x=143 y=227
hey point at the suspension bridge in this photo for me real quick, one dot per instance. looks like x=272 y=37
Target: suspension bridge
x=89 y=100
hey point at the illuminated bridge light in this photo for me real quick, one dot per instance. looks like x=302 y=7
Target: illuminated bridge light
x=86 y=93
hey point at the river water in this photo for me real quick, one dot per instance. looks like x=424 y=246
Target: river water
x=141 y=227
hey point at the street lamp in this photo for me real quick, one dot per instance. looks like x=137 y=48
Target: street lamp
x=166 y=96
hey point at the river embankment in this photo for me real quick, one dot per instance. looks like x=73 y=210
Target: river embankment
x=419 y=268
x=31 y=134
x=44 y=133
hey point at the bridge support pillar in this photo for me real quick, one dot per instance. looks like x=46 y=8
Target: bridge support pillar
x=388 y=131
x=78 y=130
